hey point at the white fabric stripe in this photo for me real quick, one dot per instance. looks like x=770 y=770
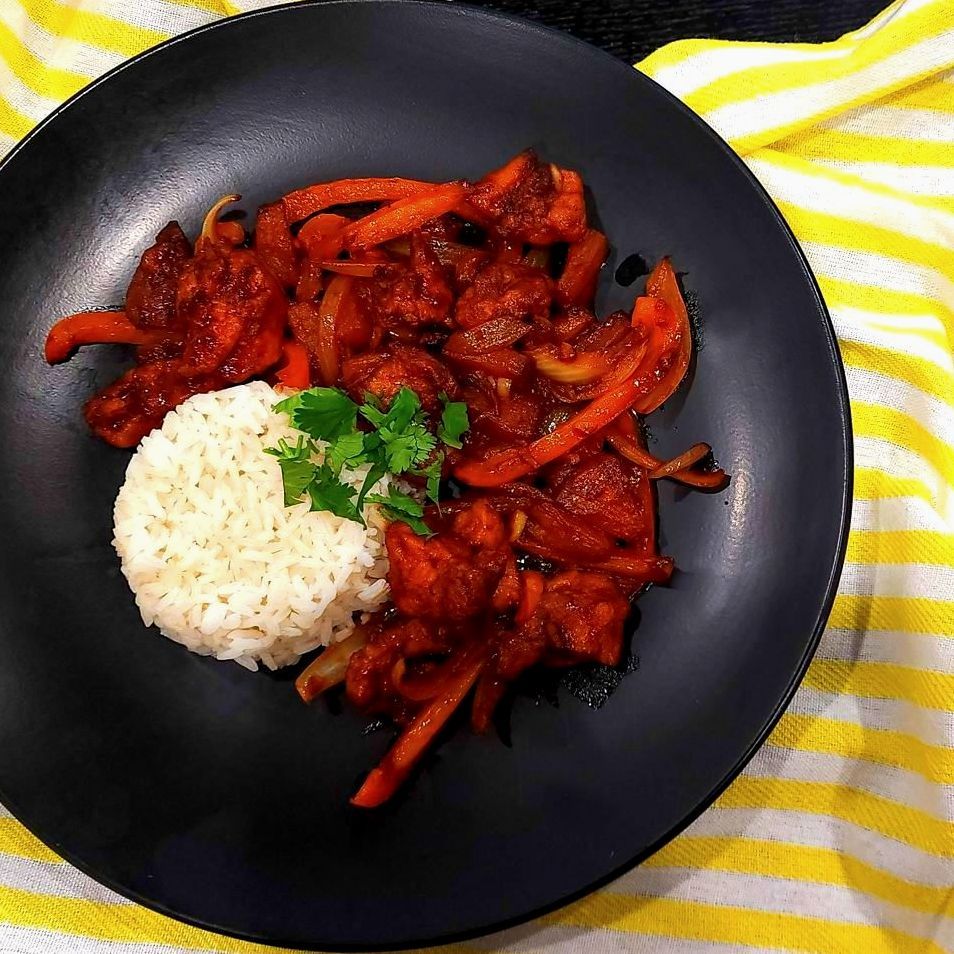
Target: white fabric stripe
x=822 y=831
x=852 y=325
x=904 y=122
x=932 y=726
x=61 y=880
x=897 y=785
x=23 y=99
x=880 y=271
x=566 y=939
x=925 y=181
x=707 y=66
x=772 y=111
x=4 y=813
x=893 y=13
x=781 y=895
x=897 y=513
x=815 y=191
x=916 y=650
x=877 y=453
x=933 y=415
x=911 y=580
x=17 y=940
x=152 y=14
x=56 y=50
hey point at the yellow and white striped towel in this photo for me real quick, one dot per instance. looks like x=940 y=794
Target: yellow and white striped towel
x=839 y=835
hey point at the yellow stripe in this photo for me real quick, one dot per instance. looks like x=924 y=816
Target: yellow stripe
x=13 y=122
x=807 y=167
x=848 y=740
x=934 y=336
x=855 y=146
x=221 y=8
x=877 y=420
x=93 y=29
x=16 y=840
x=772 y=859
x=853 y=805
x=845 y=232
x=928 y=94
x=747 y=85
x=872 y=680
x=48 y=81
x=884 y=301
x=901 y=546
x=122 y=922
x=918 y=372
x=728 y=924
x=903 y=614
x=677 y=52
x=871 y=484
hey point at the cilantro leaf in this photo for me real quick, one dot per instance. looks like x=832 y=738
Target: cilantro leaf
x=324 y=413
x=432 y=472
x=296 y=476
x=289 y=404
x=375 y=473
x=327 y=492
x=400 y=506
x=407 y=448
x=454 y=421
x=296 y=465
x=346 y=451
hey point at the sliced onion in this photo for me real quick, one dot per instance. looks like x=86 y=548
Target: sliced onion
x=330 y=667
x=581 y=369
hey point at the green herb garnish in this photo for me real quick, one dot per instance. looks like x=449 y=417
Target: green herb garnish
x=398 y=442
x=454 y=421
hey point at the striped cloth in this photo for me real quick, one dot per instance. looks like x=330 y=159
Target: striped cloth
x=839 y=836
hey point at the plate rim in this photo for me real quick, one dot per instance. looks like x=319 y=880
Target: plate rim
x=466 y=10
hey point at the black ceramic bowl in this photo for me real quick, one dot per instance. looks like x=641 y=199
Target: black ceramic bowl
x=213 y=794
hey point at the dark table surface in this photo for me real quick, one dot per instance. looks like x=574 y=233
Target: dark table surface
x=631 y=29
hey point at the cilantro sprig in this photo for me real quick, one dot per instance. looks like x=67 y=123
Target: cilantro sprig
x=396 y=441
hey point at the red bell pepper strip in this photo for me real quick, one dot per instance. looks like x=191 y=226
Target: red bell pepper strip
x=304 y=202
x=584 y=259
x=532 y=585
x=403 y=216
x=295 y=372
x=346 y=267
x=323 y=236
x=98 y=327
x=516 y=462
x=668 y=329
x=386 y=779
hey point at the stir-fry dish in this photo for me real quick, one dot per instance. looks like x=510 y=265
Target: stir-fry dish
x=441 y=338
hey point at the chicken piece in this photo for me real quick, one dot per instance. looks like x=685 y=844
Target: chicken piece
x=123 y=413
x=451 y=576
x=531 y=201
x=504 y=290
x=274 y=244
x=409 y=296
x=384 y=373
x=369 y=681
x=151 y=296
x=234 y=314
x=579 y=619
x=606 y=492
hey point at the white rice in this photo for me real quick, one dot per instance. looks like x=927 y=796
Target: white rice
x=215 y=558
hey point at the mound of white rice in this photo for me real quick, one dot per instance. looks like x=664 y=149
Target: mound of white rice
x=215 y=558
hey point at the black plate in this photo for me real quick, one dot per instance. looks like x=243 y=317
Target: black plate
x=213 y=794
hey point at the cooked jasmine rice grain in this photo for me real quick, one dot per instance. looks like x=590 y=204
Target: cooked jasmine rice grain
x=214 y=557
